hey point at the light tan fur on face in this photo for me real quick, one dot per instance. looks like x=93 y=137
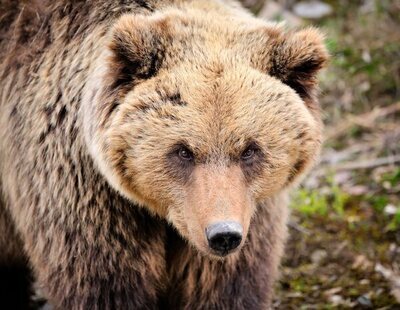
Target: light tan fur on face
x=215 y=100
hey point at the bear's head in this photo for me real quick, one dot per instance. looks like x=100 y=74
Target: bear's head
x=202 y=115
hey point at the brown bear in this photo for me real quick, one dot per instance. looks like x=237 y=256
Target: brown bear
x=147 y=148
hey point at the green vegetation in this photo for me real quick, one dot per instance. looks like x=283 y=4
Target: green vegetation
x=314 y=202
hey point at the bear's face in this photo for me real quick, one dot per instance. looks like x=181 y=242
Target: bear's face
x=201 y=129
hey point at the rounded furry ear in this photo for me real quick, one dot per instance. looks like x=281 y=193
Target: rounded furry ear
x=296 y=59
x=137 y=48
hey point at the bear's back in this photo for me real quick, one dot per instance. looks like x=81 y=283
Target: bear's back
x=46 y=52
x=28 y=28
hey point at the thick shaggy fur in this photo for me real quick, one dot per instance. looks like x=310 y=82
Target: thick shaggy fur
x=97 y=97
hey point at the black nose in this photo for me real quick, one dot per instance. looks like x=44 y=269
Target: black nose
x=223 y=237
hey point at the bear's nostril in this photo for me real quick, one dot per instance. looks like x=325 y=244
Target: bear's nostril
x=224 y=237
x=225 y=242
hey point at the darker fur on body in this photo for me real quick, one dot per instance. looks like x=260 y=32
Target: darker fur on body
x=88 y=246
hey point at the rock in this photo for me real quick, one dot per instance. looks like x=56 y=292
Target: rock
x=312 y=9
x=390 y=209
x=361 y=262
x=365 y=282
x=364 y=301
x=274 y=11
x=318 y=256
x=336 y=300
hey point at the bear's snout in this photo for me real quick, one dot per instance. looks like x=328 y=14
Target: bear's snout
x=224 y=237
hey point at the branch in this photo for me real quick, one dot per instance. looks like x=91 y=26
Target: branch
x=362 y=120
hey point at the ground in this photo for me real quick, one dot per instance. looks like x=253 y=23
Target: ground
x=344 y=247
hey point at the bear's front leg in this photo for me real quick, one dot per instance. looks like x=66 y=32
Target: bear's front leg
x=104 y=254
x=243 y=280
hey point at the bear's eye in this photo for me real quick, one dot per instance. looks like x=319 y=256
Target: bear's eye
x=249 y=152
x=185 y=154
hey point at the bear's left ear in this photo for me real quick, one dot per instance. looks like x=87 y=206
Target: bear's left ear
x=295 y=59
x=137 y=48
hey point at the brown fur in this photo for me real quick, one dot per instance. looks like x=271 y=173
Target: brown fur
x=96 y=100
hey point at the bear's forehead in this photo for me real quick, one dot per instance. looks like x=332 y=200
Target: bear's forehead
x=215 y=97
x=223 y=46
x=226 y=109
x=233 y=92
x=219 y=104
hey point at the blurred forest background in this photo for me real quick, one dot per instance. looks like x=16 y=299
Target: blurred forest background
x=344 y=249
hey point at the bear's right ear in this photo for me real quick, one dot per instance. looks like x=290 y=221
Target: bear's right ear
x=296 y=58
x=137 y=48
